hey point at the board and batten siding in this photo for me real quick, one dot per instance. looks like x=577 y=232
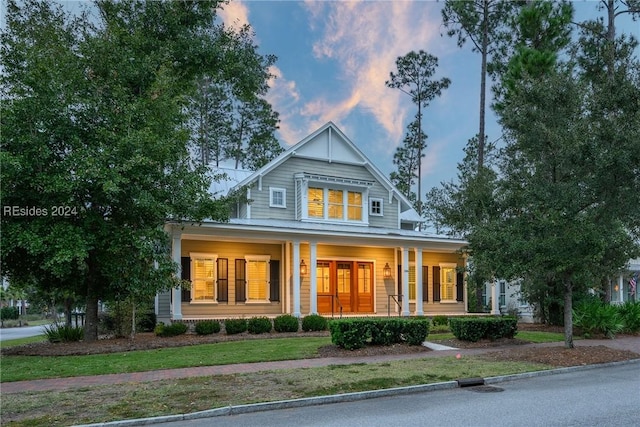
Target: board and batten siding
x=283 y=177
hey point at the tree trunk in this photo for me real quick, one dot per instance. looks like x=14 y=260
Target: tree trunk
x=568 y=315
x=91 y=325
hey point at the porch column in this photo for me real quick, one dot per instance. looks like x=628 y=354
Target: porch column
x=313 y=291
x=419 y=299
x=176 y=252
x=405 y=282
x=621 y=288
x=495 y=298
x=296 y=279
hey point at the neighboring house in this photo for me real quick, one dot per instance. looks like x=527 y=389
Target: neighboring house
x=324 y=232
x=621 y=288
x=509 y=300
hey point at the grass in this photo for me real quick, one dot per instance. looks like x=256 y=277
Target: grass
x=139 y=400
x=531 y=336
x=20 y=368
x=21 y=341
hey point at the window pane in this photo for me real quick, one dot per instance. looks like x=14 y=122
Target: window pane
x=322 y=277
x=447 y=287
x=364 y=278
x=316 y=203
x=344 y=278
x=355 y=206
x=336 y=206
x=203 y=279
x=257 y=280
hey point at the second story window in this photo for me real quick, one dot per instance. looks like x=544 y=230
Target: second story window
x=278 y=197
x=334 y=204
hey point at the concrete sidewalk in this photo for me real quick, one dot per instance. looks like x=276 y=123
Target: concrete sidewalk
x=623 y=343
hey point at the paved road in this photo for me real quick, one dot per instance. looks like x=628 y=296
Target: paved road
x=607 y=396
x=23 y=332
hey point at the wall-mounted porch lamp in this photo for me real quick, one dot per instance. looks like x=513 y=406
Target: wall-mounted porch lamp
x=303 y=268
x=386 y=271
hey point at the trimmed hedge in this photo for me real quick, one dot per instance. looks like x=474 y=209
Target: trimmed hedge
x=286 y=323
x=314 y=322
x=207 y=327
x=235 y=326
x=259 y=325
x=172 y=330
x=476 y=328
x=357 y=333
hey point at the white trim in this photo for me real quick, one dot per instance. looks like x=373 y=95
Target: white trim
x=381 y=207
x=204 y=256
x=263 y=258
x=274 y=190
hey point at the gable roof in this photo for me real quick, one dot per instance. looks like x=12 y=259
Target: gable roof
x=329 y=143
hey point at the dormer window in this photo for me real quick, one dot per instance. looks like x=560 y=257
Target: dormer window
x=334 y=199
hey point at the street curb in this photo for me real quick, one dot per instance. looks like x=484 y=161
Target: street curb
x=346 y=397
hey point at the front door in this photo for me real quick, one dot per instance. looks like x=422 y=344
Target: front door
x=344 y=286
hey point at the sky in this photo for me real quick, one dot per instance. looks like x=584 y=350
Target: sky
x=335 y=56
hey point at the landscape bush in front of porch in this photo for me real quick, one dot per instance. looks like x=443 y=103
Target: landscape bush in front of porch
x=357 y=333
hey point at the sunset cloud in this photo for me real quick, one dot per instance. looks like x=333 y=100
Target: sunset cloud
x=234 y=14
x=365 y=38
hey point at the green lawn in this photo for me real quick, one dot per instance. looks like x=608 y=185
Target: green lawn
x=20 y=368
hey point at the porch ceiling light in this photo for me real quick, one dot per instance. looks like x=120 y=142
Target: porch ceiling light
x=303 y=268
x=386 y=271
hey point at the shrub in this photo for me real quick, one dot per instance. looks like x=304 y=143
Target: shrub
x=259 y=325
x=286 y=323
x=235 y=326
x=386 y=332
x=207 y=327
x=350 y=333
x=630 y=314
x=9 y=313
x=146 y=321
x=440 y=320
x=415 y=331
x=475 y=328
x=172 y=330
x=593 y=316
x=314 y=322
x=63 y=333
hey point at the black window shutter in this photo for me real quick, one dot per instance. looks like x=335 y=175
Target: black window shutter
x=425 y=283
x=274 y=280
x=240 y=281
x=459 y=286
x=185 y=274
x=223 y=280
x=436 y=283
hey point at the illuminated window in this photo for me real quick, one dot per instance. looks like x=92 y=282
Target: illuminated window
x=448 y=282
x=316 y=203
x=203 y=271
x=344 y=278
x=412 y=282
x=334 y=204
x=257 y=274
x=322 y=277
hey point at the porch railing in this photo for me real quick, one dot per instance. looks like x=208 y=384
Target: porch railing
x=334 y=298
x=398 y=302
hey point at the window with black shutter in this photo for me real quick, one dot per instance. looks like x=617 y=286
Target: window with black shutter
x=459 y=286
x=436 y=283
x=425 y=283
x=223 y=280
x=185 y=274
x=240 y=281
x=274 y=280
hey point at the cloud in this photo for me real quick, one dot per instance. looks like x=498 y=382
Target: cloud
x=364 y=39
x=284 y=96
x=234 y=14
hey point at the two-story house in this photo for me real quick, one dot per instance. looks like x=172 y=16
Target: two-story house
x=323 y=231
